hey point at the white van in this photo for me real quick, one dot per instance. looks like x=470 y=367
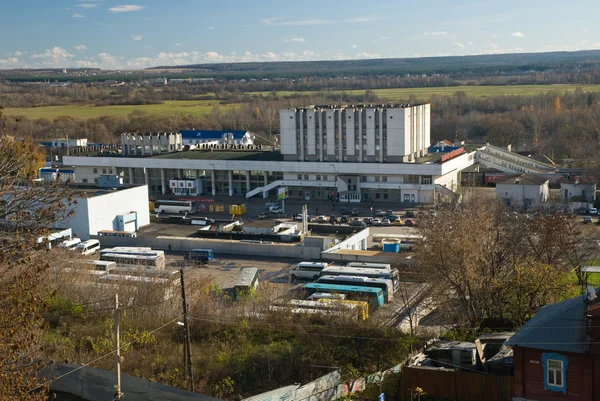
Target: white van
x=89 y=247
x=308 y=270
x=70 y=244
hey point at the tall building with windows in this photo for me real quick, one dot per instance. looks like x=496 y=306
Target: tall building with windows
x=360 y=134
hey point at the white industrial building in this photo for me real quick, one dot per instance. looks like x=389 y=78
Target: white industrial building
x=525 y=190
x=123 y=209
x=353 y=154
x=150 y=144
x=578 y=189
x=67 y=143
x=201 y=138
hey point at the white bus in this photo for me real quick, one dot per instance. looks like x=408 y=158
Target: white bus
x=308 y=270
x=134 y=256
x=174 y=207
x=363 y=272
x=89 y=247
x=70 y=244
x=383 y=266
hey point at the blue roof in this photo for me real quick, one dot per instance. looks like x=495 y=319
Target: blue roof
x=210 y=134
x=557 y=327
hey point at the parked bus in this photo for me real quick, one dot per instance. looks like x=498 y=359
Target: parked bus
x=374 y=296
x=308 y=270
x=199 y=256
x=174 y=207
x=356 y=310
x=382 y=266
x=70 y=244
x=134 y=256
x=386 y=285
x=89 y=247
x=363 y=272
x=246 y=283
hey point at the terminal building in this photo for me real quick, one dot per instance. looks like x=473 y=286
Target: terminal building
x=351 y=153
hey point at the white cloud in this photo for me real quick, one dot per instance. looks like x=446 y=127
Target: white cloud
x=16 y=54
x=459 y=45
x=468 y=43
x=177 y=45
x=86 y=5
x=11 y=61
x=368 y=55
x=435 y=33
x=81 y=48
x=301 y=40
x=353 y=46
x=136 y=37
x=55 y=57
x=517 y=34
x=276 y=21
x=210 y=27
x=382 y=38
x=125 y=8
x=77 y=15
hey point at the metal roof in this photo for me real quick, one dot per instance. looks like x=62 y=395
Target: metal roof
x=246 y=276
x=210 y=134
x=557 y=327
x=523 y=179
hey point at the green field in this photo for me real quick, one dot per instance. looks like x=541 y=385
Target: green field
x=402 y=94
x=202 y=107
x=193 y=107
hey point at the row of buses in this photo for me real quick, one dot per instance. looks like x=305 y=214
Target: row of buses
x=357 y=287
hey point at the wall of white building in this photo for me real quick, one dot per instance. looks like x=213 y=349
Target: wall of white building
x=99 y=212
x=518 y=193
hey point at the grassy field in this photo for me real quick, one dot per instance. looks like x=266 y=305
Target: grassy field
x=201 y=107
x=193 y=107
x=402 y=94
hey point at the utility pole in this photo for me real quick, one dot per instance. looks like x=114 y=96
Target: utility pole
x=188 y=345
x=117 y=345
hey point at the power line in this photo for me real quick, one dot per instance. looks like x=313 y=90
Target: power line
x=103 y=356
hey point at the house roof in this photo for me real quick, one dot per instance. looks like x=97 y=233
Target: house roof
x=210 y=134
x=577 y=180
x=557 y=327
x=523 y=179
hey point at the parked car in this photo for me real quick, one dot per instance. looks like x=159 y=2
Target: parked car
x=276 y=210
x=368 y=221
x=389 y=212
x=393 y=218
x=409 y=213
x=343 y=219
x=269 y=205
x=333 y=219
x=593 y=210
x=409 y=222
x=322 y=219
x=587 y=219
x=386 y=222
x=379 y=213
x=345 y=211
x=355 y=212
x=376 y=222
x=357 y=223
x=432 y=213
x=262 y=215
x=397 y=222
x=299 y=217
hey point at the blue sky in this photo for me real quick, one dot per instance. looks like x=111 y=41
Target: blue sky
x=133 y=34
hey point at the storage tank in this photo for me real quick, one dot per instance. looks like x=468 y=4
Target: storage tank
x=391 y=245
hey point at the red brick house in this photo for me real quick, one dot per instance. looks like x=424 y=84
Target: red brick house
x=557 y=353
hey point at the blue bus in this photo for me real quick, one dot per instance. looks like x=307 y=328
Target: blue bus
x=386 y=285
x=199 y=256
x=374 y=295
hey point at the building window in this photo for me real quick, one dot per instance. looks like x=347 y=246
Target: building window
x=85 y=180
x=377 y=195
x=299 y=177
x=384 y=178
x=376 y=178
x=324 y=178
x=95 y=171
x=385 y=195
x=306 y=176
x=318 y=177
x=555 y=372
x=103 y=171
x=363 y=178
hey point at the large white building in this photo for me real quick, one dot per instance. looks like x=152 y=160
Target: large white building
x=352 y=153
x=362 y=134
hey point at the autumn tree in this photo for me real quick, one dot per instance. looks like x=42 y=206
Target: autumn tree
x=479 y=256
x=27 y=209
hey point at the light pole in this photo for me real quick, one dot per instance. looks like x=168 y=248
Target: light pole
x=213 y=180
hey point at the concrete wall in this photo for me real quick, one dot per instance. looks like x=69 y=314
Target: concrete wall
x=355 y=242
x=219 y=247
x=518 y=193
x=98 y=385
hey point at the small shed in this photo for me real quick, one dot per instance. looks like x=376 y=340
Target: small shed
x=524 y=190
x=578 y=189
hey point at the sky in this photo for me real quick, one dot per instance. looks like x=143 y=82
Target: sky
x=134 y=34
